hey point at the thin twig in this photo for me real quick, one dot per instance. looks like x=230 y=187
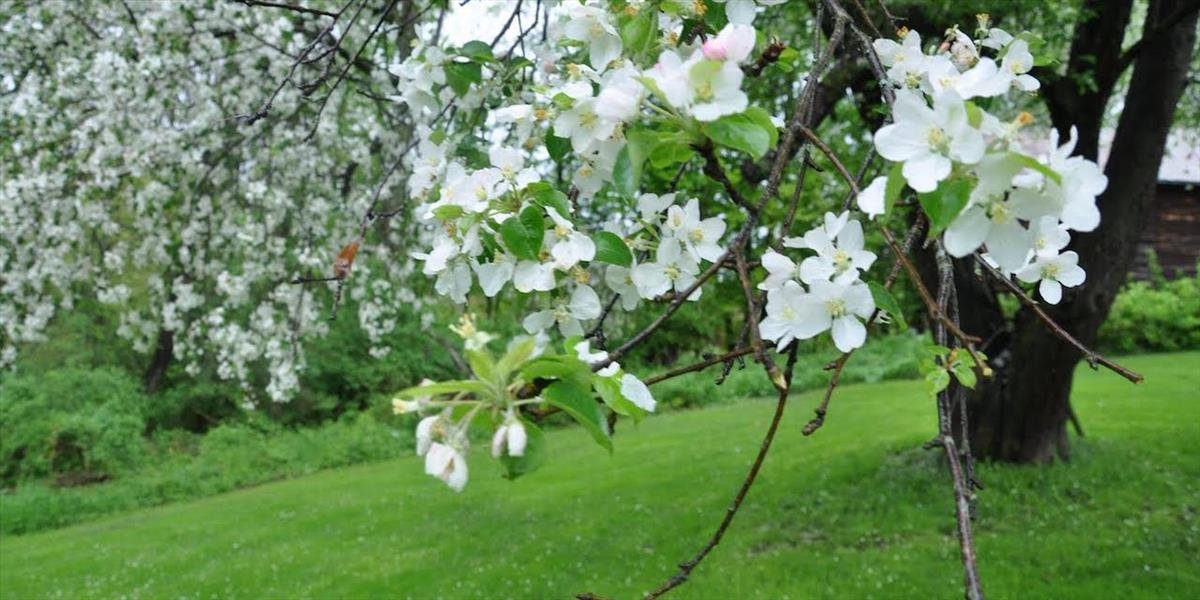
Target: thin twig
x=687 y=566
x=1091 y=356
x=700 y=366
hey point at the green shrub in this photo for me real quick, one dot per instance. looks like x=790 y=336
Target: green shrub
x=228 y=457
x=81 y=425
x=1148 y=317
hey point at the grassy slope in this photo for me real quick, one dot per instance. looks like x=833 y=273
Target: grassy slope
x=854 y=511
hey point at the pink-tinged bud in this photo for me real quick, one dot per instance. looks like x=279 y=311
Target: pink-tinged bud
x=715 y=49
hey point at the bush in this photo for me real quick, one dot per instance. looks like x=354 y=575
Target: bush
x=1148 y=316
x=76 y=425
x=187 y=466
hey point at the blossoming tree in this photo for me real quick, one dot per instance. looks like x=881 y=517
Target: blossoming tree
x=542 y=165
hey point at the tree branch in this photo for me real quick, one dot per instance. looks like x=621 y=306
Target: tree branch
x=1091 y=356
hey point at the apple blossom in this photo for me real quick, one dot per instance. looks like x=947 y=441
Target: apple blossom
x=927 y=140
x=1054 y=272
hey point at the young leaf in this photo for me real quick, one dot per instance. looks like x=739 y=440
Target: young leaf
x=546 y=196
x=886 y=302
x=576 y=400
x=518 y=239
x=964 y=374
x=763 y=119
x=937 y=380
x=1032 y=163
x=637 y=35
x=562 y=367
x=609 y=389
x=470 y=386
x=895 y=185
x=557 y=147
x=669 y=153
x=945 y=203
x=610 y=248
x=626 y=173
x=517 y=353
x=476 y=50
x=460 y=75
x=482 y=364
x=739 y=132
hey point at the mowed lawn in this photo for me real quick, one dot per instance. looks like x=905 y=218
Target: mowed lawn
x=858 y=510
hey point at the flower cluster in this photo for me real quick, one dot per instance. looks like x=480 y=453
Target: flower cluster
x=967 y=165
x=835 y=298
x=496 y=397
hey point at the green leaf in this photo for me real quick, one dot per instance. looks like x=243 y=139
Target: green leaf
x=448 y=212
x=739 y=132
x=788 y=59
x=668 y=153
x=557 y=147
x=964 y=374
x=886 y=302
x=625 y=173
x=562 y=367
x=547 y=196
x=517 y=353
x=974 y=114
x=637 y=35
x=519 y=239
x=945 y=203
x=460 y=75
x=476 y=50
x=895 y=185
x=534 y=456
x=482 y=364
x=937 y=380
x=610 y=248
x=609 y=389
x=576 y=400
x=763 y=119
x=470 y=386
x=1032 y=163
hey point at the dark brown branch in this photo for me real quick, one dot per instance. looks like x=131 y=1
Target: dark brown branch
x=769 y=55
x=960 y=477
x=700 y=366
x=289 y=7
x=1091 y=356
x=346 y=69
x=1131 y=54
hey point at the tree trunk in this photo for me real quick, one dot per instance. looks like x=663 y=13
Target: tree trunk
x=1021 y=415
x=164 y=351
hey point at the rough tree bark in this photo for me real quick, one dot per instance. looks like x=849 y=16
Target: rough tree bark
x=1022 y=415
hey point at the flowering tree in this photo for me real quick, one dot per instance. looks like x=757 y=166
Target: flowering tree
x=544 y=166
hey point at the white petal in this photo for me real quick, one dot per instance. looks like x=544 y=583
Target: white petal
x=585 y=303
x=848 y=333
x=498 y=439
x=1009 y=244
x=902 y=141
x=517 y=438
x=1072 y=276
x=637 y=392
x=1051 y=291
x=538 y=321
x=924 y=172
x=871 y=199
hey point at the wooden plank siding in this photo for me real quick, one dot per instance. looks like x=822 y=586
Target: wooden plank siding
x=1173 y=231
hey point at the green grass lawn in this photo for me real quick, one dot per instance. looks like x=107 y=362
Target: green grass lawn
x=858 y=510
